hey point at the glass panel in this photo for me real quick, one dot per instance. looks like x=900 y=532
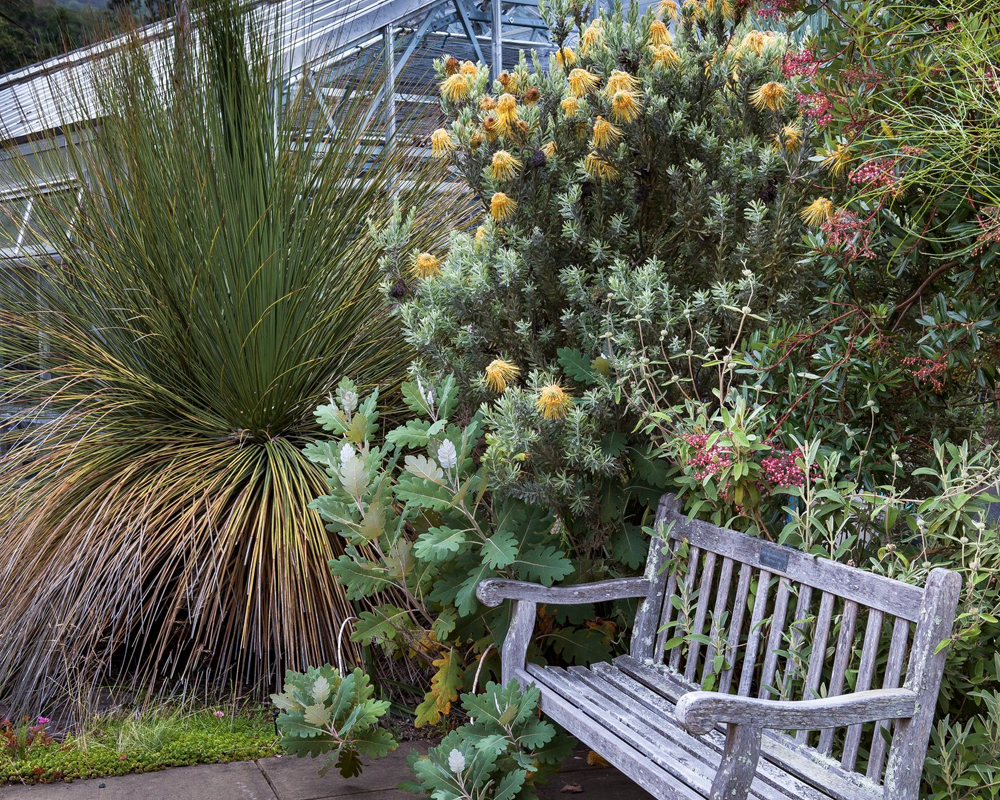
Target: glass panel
x=11 y=220
x=50 y=211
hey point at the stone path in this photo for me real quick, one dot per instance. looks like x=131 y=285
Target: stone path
x=283 y=778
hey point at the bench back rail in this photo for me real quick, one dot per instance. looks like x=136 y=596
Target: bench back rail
x=739 y=615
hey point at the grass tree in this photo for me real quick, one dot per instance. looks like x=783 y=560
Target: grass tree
x=215 y=276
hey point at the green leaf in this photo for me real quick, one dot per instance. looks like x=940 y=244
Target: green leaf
x=438 y=544
x=424 y=468
x=421 y=493
x=544 y=564
x=381 y=623
x=500 y=550
x=415 y=433
x=576 y=365
x=509 y=785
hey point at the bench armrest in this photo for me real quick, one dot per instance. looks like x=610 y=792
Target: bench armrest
x=494 y=591
x=700 y=712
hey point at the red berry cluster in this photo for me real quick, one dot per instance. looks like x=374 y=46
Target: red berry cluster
x=804 y=62
x=878 y=173
x=931 y=370
x=846 y=229
x=773 y=9
x=817 y=107
x=707 y=461
x=781 y=469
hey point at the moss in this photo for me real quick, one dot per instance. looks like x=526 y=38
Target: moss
x=153 y=742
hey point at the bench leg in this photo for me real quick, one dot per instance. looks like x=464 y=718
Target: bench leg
x=515 y=646
x=739 y=763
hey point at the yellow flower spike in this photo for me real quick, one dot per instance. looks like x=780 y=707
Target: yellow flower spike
x=668 y=8
x=470 y=69
x=441 y=142
x=605 y=134
x=666 y=55
x=817 y=212
x=565 y=57
x=753 y=42
x=553 y=401
x=582 y=81
x=624 y=106
x=693 y=9
x=592 y=37
x=790 y=136
x=481 y=233
x=491 y=126
x=504 y=166
x=570 y=105
x=502 y=207
x=549 y=149
x=455 y=88
x=426 y=265
x=658 y=33
x=836 y=160
x=499 y=373
x=620 y=81
x=772 y=95
x=507 y=105
x=598 y=168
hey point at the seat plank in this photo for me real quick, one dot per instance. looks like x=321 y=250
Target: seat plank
x=779 y=749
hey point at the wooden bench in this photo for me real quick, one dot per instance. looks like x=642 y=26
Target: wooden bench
x=792 y=645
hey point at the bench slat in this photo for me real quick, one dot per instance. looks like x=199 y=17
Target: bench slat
x=753 y=635
x=800 y=760
x=662 y=631
x=721 y=601
x=800 y=627
x=842 y=659
x=866 y=670
x=817 y=658
x=735 y=625
x=893 y=672
x=689 y=583
x=774 y=639
x=704 y=598
x=865 y=588
x=784 y=783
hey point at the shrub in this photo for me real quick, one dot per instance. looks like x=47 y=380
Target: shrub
x=501 y=754
x=323 y=712
x=197 y=312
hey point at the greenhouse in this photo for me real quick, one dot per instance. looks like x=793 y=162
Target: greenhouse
x=499 y=400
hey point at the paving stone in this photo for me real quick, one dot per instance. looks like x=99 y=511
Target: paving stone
x=241 y=780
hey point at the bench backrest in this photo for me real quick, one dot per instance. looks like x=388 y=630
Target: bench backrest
x=740 y=615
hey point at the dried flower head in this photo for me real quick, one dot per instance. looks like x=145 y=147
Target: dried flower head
x=620 y=81
x=475 y=141
x=659 y=33
x=753 y=42
x=504 y=166
x=772 y=95
x=599 y=168
x=666 y=55
x=441 y=142
x=451 y=65
x=592 y=37
x=565 y=57
x=549 y=149
x=605 y=133
x=624 y=106
x=669 y=9
x=817 y=212
x=553 y=401
x=790 y=136
x=835 y=161
x=502 y=207
x=499 y=373
x=532 y=96
x=582 y=81
x=470 y=69
x=505 y=79
x=455 y=88
x=425 y=265
x=487 y=103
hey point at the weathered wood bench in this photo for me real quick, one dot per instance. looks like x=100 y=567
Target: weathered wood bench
x=793 y=714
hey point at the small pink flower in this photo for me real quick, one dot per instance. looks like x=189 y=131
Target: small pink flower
x=43 y=720
x=220 y=714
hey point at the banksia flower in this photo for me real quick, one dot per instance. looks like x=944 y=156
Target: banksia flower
x=598 y=168
x=570 y=105
x=451 y=65
x=507 y=113
x=582 y=81
x=771 y=95
x=620 y=81
x=553 y=401
x=605 y=134
x=487 y=103
x=565 y=57
x=441 y=142
x=753 y=42
x=836 y=161
x=790 y=136
x=666 y=55
x=425 y=265
x=502 y=207
x=491 y=126
x=668 y=9
x=624 y=106
x=817 y=212
x=470 y=69
x=475 y=141
x=592 y=37
x=532 y=96
x=455 y=87
x=499 y=373
x=504 y=166
x=481 y=233
x=658 y=33
x=725 y=6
